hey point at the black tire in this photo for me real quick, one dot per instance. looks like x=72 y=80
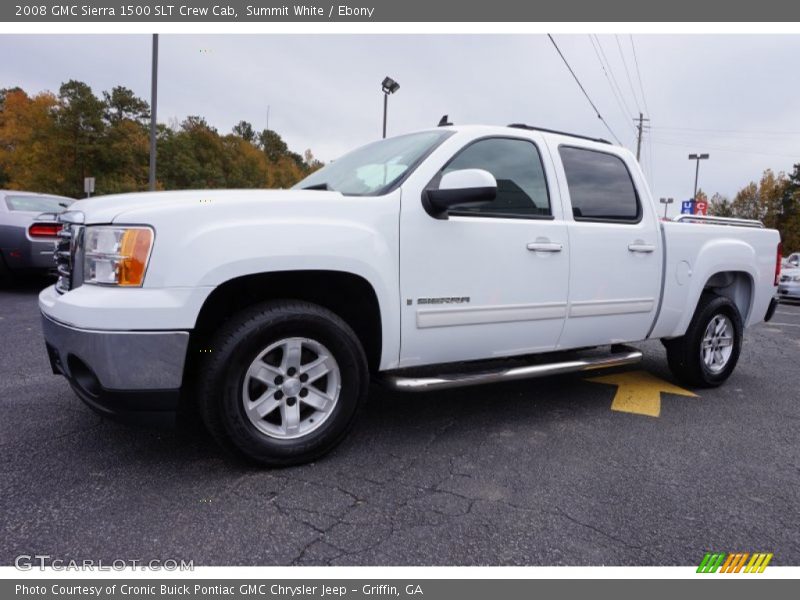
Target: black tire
x=685 y=354
x=239 y=343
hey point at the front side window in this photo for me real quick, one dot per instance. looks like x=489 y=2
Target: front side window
x=376 y=168
x=600 y=186
x=517 y=167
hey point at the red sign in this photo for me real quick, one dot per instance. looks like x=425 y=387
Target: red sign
x=701 y=208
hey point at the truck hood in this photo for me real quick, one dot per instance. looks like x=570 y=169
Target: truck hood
x=135 y=208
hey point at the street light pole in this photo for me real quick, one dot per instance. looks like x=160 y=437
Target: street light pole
x=385 y=109
x=388 y=86
x=153 y=102
x=698 y=158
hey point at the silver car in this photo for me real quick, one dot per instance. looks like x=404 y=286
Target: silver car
x=28 y=229
x=789 y=285
x=792 y=261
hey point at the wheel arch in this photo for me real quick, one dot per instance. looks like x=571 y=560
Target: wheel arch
x=737 y=286
x=348 y=295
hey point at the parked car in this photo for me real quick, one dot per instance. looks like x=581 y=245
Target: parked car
x=28 y=228
x=425 y=261
x=792 y=261
x=789 y=285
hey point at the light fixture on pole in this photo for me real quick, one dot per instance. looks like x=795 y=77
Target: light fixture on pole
x=698 y=158
x=389 y=86
x=666 y=202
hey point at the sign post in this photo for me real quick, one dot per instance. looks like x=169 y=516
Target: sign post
x=88 y=186
x=666 y=202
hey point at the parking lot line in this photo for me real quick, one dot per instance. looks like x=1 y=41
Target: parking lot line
x=785 y=324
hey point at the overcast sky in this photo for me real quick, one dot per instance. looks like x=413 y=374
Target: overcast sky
x=736 y=97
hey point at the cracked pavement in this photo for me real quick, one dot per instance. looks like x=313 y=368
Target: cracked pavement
x=527 y=473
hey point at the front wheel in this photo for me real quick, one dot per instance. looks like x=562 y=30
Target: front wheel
x=707 y=354
x=283 y=383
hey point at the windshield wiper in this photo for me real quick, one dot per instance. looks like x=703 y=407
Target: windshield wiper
x=318 y=186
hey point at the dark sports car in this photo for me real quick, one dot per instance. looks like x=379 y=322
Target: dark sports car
x=28 y=229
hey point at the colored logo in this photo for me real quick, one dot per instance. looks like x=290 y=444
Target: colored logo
x=734 y=563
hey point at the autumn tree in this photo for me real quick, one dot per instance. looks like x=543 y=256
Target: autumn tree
x=790 y=209
x=49 y=143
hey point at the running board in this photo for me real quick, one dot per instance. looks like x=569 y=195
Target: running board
x=620 y=356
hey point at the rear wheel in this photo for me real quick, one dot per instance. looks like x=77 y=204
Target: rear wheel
x=284 y=383
x=707 y=354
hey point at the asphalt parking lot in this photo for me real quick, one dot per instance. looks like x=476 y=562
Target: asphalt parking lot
x=528 y=473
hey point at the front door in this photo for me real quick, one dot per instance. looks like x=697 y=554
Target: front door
x=489 y=280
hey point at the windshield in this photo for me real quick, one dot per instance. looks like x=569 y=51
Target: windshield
x=373 y=169
x=37 y=203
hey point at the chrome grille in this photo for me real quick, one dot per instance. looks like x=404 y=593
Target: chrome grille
x=63 y=258
x=67 y=254
x=784 y=278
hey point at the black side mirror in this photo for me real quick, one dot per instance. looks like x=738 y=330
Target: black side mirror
x=465 y=186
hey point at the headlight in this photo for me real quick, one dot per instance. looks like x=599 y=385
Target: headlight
x=794 y=278
x=116 y=255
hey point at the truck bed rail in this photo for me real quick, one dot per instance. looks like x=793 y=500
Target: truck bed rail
x=730 y=221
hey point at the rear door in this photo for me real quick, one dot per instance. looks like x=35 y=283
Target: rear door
x=615 y=248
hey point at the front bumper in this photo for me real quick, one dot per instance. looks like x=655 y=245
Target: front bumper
x=130 y=375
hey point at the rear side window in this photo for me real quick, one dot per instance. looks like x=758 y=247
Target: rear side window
x=517 y=167
x=600 y=186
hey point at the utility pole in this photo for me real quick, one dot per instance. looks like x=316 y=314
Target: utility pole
x=698 y=158
x=153 y=101
x=640 y=127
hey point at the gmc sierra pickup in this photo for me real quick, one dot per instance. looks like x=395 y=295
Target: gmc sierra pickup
x=446 y=257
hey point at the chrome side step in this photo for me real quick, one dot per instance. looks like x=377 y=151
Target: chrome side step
x=620 y=356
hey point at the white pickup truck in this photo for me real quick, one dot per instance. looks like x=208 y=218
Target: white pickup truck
x=447 y=257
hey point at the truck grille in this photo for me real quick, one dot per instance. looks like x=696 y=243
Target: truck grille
x=784 y=278
x=67 y=255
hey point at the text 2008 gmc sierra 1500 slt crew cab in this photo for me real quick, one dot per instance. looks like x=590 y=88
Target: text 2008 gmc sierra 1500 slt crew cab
x=453 y=256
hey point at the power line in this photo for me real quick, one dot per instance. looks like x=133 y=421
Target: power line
x=622 y=109
x=639 y=75
x=580 y=85
x=628 y=111
x=627 y=74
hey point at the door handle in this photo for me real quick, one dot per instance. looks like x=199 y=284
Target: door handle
x=544 y=247
x=641 y=247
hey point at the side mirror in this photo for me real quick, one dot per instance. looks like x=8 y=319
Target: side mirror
x=465 y=186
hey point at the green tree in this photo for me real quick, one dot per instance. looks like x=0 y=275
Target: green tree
x=273 y=145
x=122 y=104
x=720 y=206
x=80 y=124
x=245 y=130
